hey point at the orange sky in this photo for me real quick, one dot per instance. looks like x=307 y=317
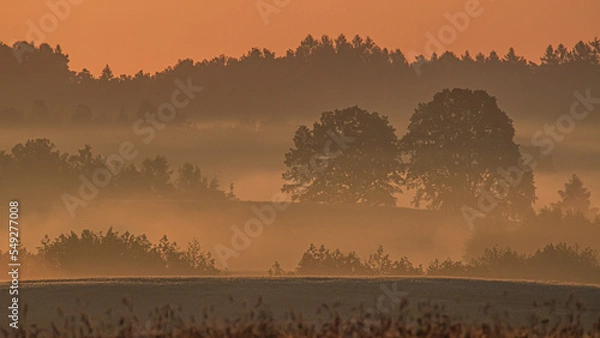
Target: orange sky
x=150 y=34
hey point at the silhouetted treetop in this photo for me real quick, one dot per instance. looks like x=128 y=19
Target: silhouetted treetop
x=460 y=146
x=576 y=199
x=348 y=156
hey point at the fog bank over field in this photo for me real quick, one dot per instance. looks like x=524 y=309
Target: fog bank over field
x=421 y=235
x=251 y=156
x=203 y=147
x=246 y=238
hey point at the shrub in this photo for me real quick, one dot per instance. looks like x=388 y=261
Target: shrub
x=113 y=254
x=276 y=270
x=323 y=262
x=499 y=263
x=381 y=264
x=556 y=262
x=553 y=262
x=447 y=268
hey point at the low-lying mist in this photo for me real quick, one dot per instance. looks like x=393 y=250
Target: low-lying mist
x=251 y=155
x=248 y=237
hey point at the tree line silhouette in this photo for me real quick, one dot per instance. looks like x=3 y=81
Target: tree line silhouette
x=127 y=254
x=114 y=254
x=552 y=262
x=41 y=174
x=39 y=87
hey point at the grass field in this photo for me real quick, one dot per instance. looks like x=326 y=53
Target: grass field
x=221 y=299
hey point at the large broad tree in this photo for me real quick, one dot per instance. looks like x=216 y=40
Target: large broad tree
x=460 y=156
x=348 y=156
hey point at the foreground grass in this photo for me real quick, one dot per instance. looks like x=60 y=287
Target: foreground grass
x=422 y=319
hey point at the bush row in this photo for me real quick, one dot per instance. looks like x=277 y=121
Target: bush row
x=559 y=262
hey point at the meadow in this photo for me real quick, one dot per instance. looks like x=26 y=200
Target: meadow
x=253 y=307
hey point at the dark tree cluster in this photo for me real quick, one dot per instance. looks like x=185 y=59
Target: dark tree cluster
x=322 y=261
x=37 y=85
x=459 y=152
x=458 y=155
x=38 y=172
x=112 y=253
x=571 y=219
x=552 y=262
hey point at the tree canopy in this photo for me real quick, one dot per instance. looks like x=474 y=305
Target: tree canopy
x=37 y=171
x=460 y=146
x=348 y=156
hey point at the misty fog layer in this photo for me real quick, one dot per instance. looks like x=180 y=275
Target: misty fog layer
x=237 y=120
